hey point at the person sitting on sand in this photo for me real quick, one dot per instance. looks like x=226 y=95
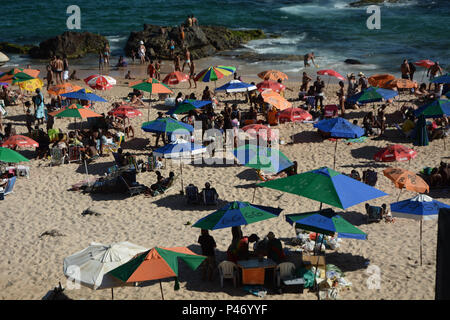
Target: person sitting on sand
x=136 y=101
x=74 y=76
x=128 y=76
x=267 y=177
x=121 y=63
x=368 y=124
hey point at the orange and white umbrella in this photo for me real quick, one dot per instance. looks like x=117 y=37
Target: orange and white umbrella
x=275 y=99
x=100 y=82
x=273 y=75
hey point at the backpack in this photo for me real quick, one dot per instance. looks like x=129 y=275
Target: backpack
x=355 y=175
x=370 y=177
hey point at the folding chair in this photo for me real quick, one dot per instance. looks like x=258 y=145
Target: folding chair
x=74 y=154
x=133 y=190
x=330 y=111
x=57 y=157
x=9 y=186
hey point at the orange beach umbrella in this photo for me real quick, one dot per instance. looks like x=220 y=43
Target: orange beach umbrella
x=379 y=80
x=19 y=141
x=404 y=179
x=63 y=88
x=275 y=99
x=273 y=75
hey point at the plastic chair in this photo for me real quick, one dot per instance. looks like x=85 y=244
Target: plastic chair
x=9 y=186
x=74 y=154
x=57 y=156
x=228 y=270
x=283 y=271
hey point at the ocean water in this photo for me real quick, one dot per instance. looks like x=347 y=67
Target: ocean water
x=416 y=29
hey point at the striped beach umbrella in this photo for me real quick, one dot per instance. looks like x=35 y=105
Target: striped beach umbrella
x=19 y=141
x=100 y=82
x=74 y=111
x=214 y=73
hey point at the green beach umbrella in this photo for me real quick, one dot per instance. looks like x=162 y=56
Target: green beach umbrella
x=8 y=155
x=267 y=159
x=236 y=214
x=75 y=111
x=326 y=186
x=21 y=77
x=166 y=125
x=156 y=264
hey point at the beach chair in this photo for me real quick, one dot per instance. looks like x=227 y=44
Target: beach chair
x=134 y=189
x=111 y=148
x=370 y=177
x=9 y=186
x=23 y=171
x=228 y=270
x=283 y=271
x=74 y=154
x=374 y=214
x=330 y=111
x=57 y=157
x=209 y=197
x=191 y=192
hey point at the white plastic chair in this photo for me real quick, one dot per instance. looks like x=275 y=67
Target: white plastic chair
x=283 y=271
x=228 y=270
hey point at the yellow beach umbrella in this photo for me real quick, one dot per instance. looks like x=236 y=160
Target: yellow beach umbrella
x=31 y=85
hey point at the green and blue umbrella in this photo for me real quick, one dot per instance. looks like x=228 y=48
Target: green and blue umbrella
x=266 y=159
x=326 y=222
x=166 y=125
x=326 y=186
x=188 y=105
x=237 y=214
x=435 y=109
x=372 y=94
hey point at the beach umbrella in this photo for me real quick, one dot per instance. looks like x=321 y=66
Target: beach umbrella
x=275 y=99
x=424 y=63
x=178 y=150
x=421 y=207
x=373 y=94
x=395 y=152
x=125 y=111
x=379 y=80
x=214 y=73
x=166 y=125
x=339 y=128
x=404 y=179
x=326 y=186
x=235 y=214
x=331 y=73
x=235 y=86
x=152 y=86
x=260 y=130
x=100 y=82
x=75 y=111
x=436 y=109
x=19 y=141
x=15 y=78
x=8 y=155
x=442 y=79
x=272 y=85
x=188 y=105
x=83 y=95
x=294 y=115
x=400 y=84
x=273 y=75
x=31 y=85
x=31 y=72
x=156 y=264
x=266 y=159
x=90 y=266
x=326 y=222
x=421 y=132
x=63 y=88
x=175 y=77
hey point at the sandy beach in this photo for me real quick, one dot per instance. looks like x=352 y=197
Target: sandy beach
x=31 y=266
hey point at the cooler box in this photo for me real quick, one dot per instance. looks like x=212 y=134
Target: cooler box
x=253 y=276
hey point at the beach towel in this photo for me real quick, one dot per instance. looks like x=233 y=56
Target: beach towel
x=357 y=140
x=258 y=291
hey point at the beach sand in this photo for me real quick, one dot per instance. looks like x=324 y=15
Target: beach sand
x=31 y=266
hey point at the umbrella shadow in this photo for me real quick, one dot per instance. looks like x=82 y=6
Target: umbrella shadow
x=217 y=163
x=18 y=117
x=248 y=175
x=178 y=202
x=247 y=186
x=355 y=218
x=135 y=143
x=355 y=114
x=366 y=152
x=347 y=262
x=392 y=136
x=371 y=165
x=108 y=196
x=306 y=137
x=96 y=168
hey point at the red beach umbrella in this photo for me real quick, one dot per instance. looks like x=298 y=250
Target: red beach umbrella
x=331 y=73
x=395 y=152
x=268 y=84
x=175 y=77
x=19 y=141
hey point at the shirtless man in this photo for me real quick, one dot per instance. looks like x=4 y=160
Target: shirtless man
x=187 y=57
x=158 y=69
x=404 y=68
x=176 y=62
x=305 y=82
x=433 y=71
x=128 y=76
x=307 y=57
x=192 y=74
x=59 y=64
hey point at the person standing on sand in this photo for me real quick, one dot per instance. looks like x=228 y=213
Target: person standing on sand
x=307 y=57
x=363 y=82
x=106 y=54
x=182 y=35
x=66 y=68
x=341 y=96
x=151 y=70
x=187 y=57
x=59 y=70
x=192 y=74
x=158 y=69
x=100 y=61
x=141 y=51
x=305 y=82
x=49 y=76
x=172 y=48
x=433 y=71
x=404 y=68
x=177 y=63
x=38 y=101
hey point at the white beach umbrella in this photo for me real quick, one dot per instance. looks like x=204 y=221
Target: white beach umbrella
x=90 y=266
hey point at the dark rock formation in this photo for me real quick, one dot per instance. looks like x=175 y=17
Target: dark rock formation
x=202 y=41
x=15 y=48
x=73 y=44
x=353 y=61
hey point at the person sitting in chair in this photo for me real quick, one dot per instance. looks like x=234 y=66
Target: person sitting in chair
x=374 y=213
x=274 y=248
x=209 y=195
x=192 y=194
x=121 y=158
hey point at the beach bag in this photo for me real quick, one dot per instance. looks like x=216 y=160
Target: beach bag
x=370 y=177
x=374 y=214
x=355 y=175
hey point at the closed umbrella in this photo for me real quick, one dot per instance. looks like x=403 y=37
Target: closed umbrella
x=421 y=207
x=156 y=264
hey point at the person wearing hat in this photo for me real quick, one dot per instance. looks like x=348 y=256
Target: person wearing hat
x=38 y=101
x=363 y=81
x=141 y=51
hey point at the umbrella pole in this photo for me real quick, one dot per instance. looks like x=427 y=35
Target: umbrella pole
x=421 y=241
x=148 y=110
x=160 y=286
x=334 y=160
x=399 y=194
x=112 y=293
x=254 y=193
x=181 y=174
x=317 y=267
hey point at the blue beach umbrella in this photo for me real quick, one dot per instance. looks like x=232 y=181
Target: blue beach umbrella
x=83 y=95
x=340 y=128
x=188 y=105
x=421 y=207
x=372 y=94
x=237 y=214
x=442 y=79
x=236 y=86
x=436 y=109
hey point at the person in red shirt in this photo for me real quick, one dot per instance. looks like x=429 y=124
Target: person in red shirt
x=151 y=70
